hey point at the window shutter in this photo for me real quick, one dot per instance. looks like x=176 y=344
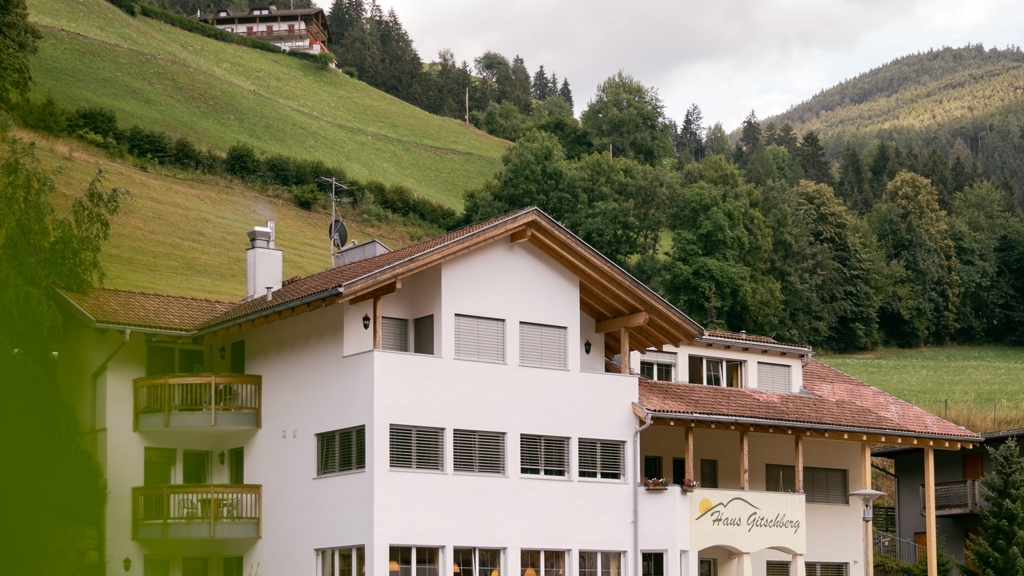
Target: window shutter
x=601 y=459
x=652 y=466
x=678 y=470
x=709 y=473
x=542 y=346
x=417 y=447
x=482 y=452
x=479 y=339
x=341 y=450
x=546 y=455
x=826 y=486
x=238 y=357
x=827 y=569
x=237 y=466
x=423 y=335
x=395 y=334
x=777 y=569
x=779 y=478
x=773 y=377
x=656 y=357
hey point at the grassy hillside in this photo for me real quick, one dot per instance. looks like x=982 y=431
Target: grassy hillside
x=983 y=387
x=218 y=94
x=931 y=99
x=183 y=234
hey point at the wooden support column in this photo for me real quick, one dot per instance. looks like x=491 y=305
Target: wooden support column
x=798 y=468
x=690 y=464
x=931 y=541
x=869 y=546
x=744 y=461
x=624 y=350
x=378 y=324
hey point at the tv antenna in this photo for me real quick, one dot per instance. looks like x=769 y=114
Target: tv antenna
x=337 y=231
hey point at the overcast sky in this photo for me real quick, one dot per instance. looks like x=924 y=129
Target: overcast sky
x=728 y=56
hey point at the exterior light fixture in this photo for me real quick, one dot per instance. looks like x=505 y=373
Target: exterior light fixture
x=221 y=457
x=586 y=347
x=127 y=564
x=366 y=321
x=867 y=497
x=223 y=352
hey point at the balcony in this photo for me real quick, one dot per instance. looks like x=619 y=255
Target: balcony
x=956 y=498
x=198 y=401
x=192 y=511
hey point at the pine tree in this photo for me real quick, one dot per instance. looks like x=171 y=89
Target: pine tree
x=541 y=85
x=787 y=139
x=878 y=175
x=999 y=551
x=690 y=139
x=852 y=187
x=811 y=155
x=566 y=93
x=936 y=169
x=18 y=39
x=348 y=34
x=518 y=92
x=750 y=137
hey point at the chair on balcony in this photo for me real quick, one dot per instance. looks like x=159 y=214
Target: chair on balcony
x=188 y=508
x=229 y=508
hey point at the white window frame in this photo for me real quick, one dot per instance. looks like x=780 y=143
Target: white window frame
x=503 y=345
x=600 y=560
x=566 y=557
x=441 y=565
x=664 y=560
x=656 y=360
x=476 y=558
x=600 y=448
x=471 y=440
x=725 y=370
x=336 y=570
x=541 y=452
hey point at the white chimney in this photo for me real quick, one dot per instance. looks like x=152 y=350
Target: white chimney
x=265 y=263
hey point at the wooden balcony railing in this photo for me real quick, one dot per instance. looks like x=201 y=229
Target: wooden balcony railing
x=197 y=510
x=192 y=396
x=957 y=497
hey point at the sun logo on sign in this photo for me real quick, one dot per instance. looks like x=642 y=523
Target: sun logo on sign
x=705 y=505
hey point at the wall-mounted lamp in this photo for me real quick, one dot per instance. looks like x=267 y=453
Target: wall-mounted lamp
x=127 y=563
x=223 y=352
x=366 y=321
x=221 y=457
x=586 y=347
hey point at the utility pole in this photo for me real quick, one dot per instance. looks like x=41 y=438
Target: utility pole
x=467 y=104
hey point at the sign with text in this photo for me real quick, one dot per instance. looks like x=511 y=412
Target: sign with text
x=747 y=521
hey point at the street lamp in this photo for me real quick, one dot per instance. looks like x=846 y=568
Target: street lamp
x=867 y=497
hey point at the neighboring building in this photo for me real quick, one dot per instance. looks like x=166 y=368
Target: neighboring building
x=303 y=29
x=447 y=408
x=958 y=491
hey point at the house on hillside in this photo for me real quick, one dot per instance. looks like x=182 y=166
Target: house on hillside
x=303 y=29
x=958 y=492
x=500 y=400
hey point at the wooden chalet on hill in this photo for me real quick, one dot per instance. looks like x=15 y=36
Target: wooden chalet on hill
x=303 y=29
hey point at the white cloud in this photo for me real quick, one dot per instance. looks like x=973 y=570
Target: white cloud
x=728 y=56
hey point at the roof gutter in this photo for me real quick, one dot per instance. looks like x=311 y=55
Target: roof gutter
x=283 y=306
x=810 y=426
x=803 y=350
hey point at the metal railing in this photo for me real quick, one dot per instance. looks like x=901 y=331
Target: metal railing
x=887 y=544
x=196 y=504
x=198 y=393
x=264 y=33
x=957 y=497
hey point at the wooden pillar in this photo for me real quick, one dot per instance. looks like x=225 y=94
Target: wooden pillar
x=624 y=350
x=744 y=460
x=690 y=466
x=378 y=324
x=798 y=468
x=869 y=528
x=931 y=542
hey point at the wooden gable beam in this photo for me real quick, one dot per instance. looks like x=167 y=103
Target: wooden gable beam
x=392 y=287
x=521 y=235
x=637 y=319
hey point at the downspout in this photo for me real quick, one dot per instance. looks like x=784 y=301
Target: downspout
x=99 y=372
x=648 y=420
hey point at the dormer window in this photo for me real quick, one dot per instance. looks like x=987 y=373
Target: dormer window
x=656 y=365
x=774 y=377
x=716 y=372
x=222 y=13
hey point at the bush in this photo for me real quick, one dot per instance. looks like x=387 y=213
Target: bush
x=186 y=155
x=241 y=161
x=95 y=119
x=307 y=196
x=350 y=72
x=148 y=144
x=47 y=116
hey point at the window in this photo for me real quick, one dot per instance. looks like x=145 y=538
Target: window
x=777 y=568
x=395 y=334
x=236 y=464
x=543 y=455
x=249 y=30
x=152 y=566
x=238 y=357
x=423 y=335
x=601 y=564
x=291 y=28
x=341 y=451
x=195 y=567
x=656 y=365
x=827 y=569
x=653 y=563
x=195 y=467
x=826 y=486
x=480 y=452
x=417 y=448
x=541 y=563
x=678 y=470
x=480 y=339
x=414 y=560
x=708 y=567
x=708 y=473
x=652 y=467
x=471 y=561
x=779 y=478
x=159 y=466
x=715 y=372
x=974 y=465
x=602 y=459
x=232 y=566
x=773 y=377
x=347 y=561
x=542 y=346
x=161 y=360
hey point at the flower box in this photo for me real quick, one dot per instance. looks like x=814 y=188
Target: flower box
x=656 y=487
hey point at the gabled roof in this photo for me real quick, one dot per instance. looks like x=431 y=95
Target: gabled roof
x=160 y=312
x=832 y=401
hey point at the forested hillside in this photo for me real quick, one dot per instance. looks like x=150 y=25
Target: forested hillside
x=966 y=102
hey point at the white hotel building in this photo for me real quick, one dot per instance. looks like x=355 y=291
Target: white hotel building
x=458 y=407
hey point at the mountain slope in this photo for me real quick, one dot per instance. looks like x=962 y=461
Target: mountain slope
x=931 y=99
x=165 y=78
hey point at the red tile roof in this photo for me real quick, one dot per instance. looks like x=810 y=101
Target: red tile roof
x=832 y=399
x=142 y=310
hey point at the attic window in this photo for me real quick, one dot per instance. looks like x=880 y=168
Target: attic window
x=773 y=377
x=222 y=13
x=656 y=365
x=716 y=372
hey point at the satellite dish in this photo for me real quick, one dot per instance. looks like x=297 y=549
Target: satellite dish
x=338 y=234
